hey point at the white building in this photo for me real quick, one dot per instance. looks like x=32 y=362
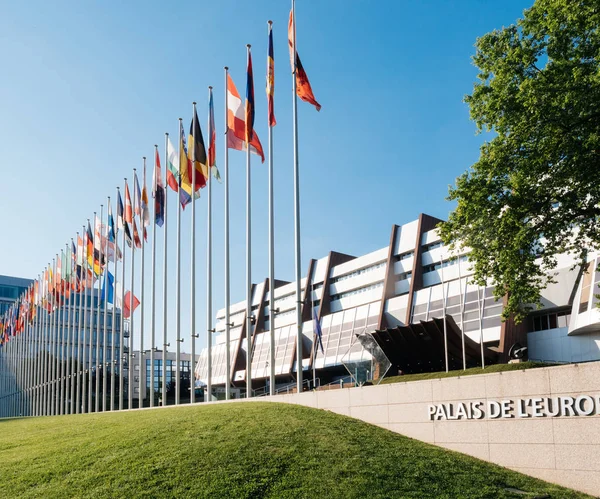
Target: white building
x=403 y=291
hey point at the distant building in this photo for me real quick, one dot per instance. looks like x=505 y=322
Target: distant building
x=11 y=289
x=401 y=293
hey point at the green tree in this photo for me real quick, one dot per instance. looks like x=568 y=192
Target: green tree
x=535 y=191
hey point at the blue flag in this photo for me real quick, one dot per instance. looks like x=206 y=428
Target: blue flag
x=111 y=287
x=317 y=328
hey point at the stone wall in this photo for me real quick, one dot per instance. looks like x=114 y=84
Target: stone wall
x=563 y=449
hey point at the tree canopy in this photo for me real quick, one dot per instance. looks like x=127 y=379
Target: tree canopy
x=535 y=191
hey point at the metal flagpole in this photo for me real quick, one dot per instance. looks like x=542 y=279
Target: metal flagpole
x=178 y=284
x=193 y=261
x=98 y=315
x=66 y=345
x=248 y=261
x=82 y=327
x=444 y=313
x=481 y=308
x=46 y=348
x=54 y=342
x=105 y=364
x=227 y=276
x=153 y=288
x=165 y=288
x=113 y=342
x=130 y=362
x=462 y=315
x=316 y=345
x=43 y=352
x=209 y=330
x=73 y=371
x=299 y=353
x=271 y=262
x=84 y=335
x=122 y=315
x=91 y=326
x=36 y=337
x=59 y=342
x=142 y=363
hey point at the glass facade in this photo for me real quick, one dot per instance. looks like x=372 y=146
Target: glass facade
x=171 y=372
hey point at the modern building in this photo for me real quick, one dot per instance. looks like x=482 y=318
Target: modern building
x=410 y=295
x=142 y=378
x=11 y=289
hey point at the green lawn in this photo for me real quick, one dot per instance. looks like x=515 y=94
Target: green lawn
x=495 y=368
x=240 y=450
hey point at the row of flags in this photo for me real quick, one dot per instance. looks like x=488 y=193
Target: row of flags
x=82 y=265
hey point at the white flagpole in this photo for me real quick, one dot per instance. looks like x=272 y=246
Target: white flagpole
x=248 y=263
x=178 y=284
x=122 y=316
x=84 y=366
x=130 y=363
x=209 y=330
x=164 y=297
x=60 y=350
x=153 y=288
x=462 y=315
x=54 y=394
x=227 y=276
x=271 y=263
x=193 y=260
x=444 y=312
x=113 y=344
x=91 y=327
x=44 y=360
x=481 y=309
x=142 y=362
x=105 y=364
x=66 y=364
x=99 y=310
x=299 y=353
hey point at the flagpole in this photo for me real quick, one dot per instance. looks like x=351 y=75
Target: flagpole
x=105 y=365
x=122 y=315
x=54 y=343
x=193 y=260
x=130 y=363
x=66 y=362
x=248 y=261
x=178 y=282
x=142 y=363
x=227 y=276
x=299 y=353
x=153 y=288
x=164 y=297
x=208 y=392
x=113 y=343
x=73 y=325
x=481 y=308
x=91 y=325
x=85 y=367
x=45 y=350
x=462 y=315
x=60 y=340
x=99 y=309
x=271 y=262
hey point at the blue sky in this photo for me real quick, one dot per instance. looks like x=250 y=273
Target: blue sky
x=89 y=87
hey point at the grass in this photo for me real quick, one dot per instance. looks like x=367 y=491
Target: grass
x=239 y=450
x=495 y=368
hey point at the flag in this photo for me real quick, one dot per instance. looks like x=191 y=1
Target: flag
x=112 y=248
x=127 y=304
x=249 y=118
x=137 y=196
x=158 y=192
x=111 y=287
x=236 y=123
x=185 y=165
x=318 y=332
x=271 y=79
x=212 y=138
x=197 y=154
x=145 y=216
x=303 y=88
x=128 y=209
x=93 y=254
x=119 y=211
x=136 y=236
x=172 y=167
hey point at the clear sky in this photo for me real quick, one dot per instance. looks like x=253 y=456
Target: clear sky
x=89 y=87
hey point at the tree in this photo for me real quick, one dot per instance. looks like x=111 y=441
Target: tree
x=535 y=191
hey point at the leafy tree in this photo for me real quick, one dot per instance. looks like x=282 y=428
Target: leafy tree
x=535 y=191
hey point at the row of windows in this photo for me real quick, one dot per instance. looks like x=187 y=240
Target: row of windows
x=444 y=263
x=405 y=256
x=404 y=275
x=357 y=291
x=432 y=246
x=549 y=321
x=358 y=272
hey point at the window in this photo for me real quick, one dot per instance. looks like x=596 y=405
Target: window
x=404 y=275
x=432 y=246
x=405 y=256
x=358 y=272
x=548 y=321
x=357 y=291
x=586 y=288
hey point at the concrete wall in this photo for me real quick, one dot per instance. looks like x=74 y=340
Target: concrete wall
x=564 y=450
x=556 y=345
